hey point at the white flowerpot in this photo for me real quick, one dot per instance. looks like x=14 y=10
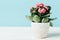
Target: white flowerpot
x=40 y=30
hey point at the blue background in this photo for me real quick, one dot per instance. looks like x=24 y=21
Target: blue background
x=12 y=12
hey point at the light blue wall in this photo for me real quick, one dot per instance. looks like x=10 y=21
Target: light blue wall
x=12 y=12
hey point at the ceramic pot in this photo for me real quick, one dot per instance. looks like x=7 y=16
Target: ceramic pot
x=40 y=30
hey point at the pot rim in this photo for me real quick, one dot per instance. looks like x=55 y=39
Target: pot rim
x=41 y=23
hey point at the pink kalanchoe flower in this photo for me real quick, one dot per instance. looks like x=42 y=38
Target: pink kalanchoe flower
x=46 y=8
x=42 y=11
x=39 y=5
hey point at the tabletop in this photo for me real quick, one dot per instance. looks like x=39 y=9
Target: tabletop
x=24 y=33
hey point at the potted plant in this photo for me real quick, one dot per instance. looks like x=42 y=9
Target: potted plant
x=41 y=21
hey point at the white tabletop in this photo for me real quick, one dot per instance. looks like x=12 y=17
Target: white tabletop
x=24 y=33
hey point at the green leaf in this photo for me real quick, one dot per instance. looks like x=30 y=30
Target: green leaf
x=51 y=19
x=51 y=24
x=49 y=8
x=32 y=14
x=36 y=18
x=39 y=14
x=47 y=15
x=31 y=11
x=29 y=17
x=45 y=20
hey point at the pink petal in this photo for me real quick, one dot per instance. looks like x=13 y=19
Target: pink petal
x=42 y=10
x=46 y=7
x=39 y=5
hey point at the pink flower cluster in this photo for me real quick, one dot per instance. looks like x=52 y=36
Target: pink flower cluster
x=41 y=8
